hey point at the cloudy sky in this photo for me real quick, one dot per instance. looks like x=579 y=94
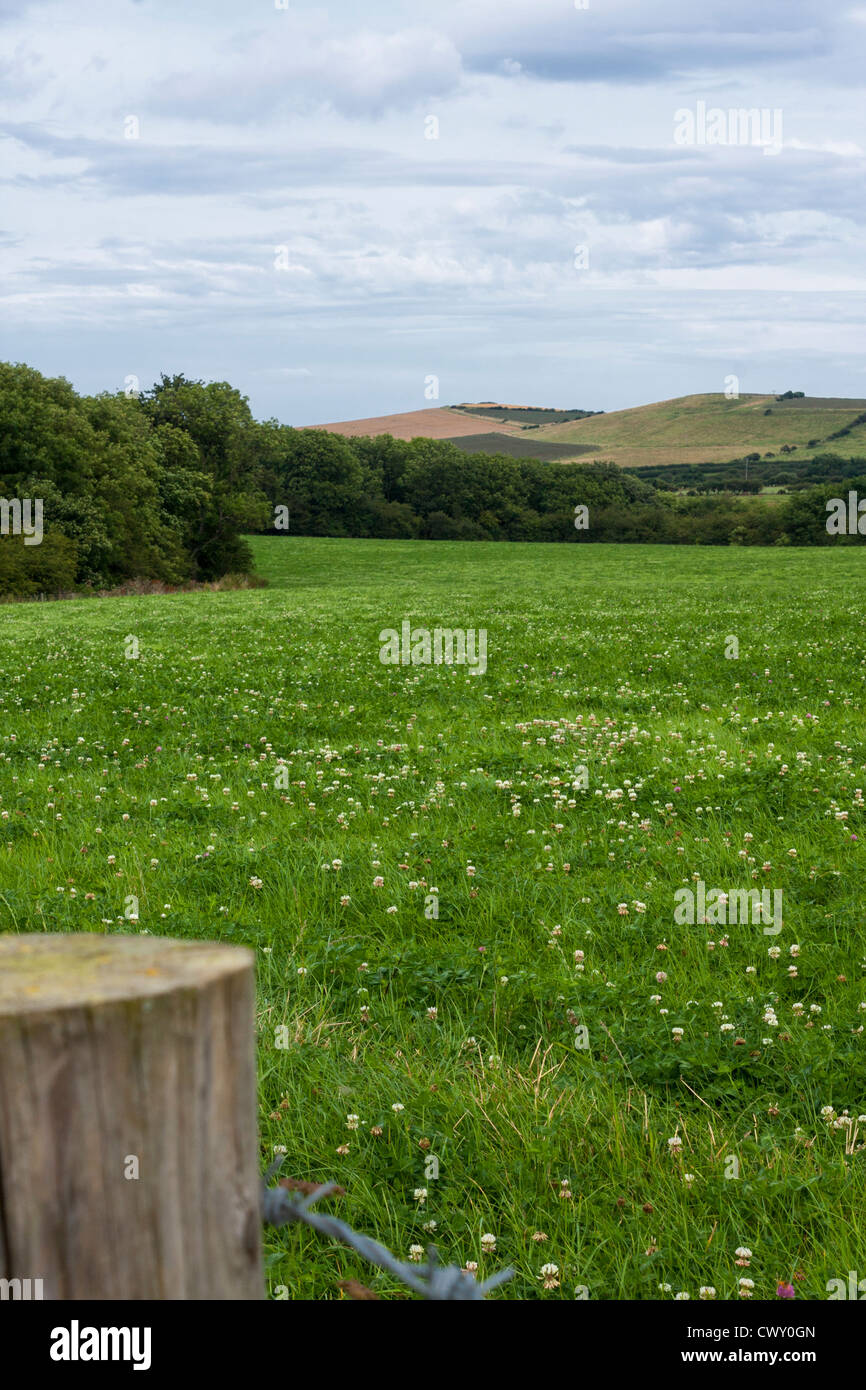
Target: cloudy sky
x=327 y=205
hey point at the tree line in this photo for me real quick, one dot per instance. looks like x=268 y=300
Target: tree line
x=166 y=484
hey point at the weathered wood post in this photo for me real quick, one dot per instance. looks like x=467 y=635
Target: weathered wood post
x=128 y=1150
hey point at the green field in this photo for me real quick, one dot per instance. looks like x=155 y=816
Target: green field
x=153 y=782
x=709 y=428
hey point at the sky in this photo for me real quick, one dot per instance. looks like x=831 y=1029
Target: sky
x=353 y=209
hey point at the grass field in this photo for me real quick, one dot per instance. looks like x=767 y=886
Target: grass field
x=709 y=428
x=255 y=774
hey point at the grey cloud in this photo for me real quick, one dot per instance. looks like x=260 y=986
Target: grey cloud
x=651 y=58
x=630 y=41
x=603 y=173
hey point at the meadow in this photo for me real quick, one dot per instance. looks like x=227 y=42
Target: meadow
x=707 y=428
x=477 y=1012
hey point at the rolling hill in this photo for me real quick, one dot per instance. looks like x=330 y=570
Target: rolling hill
x=709 y=428
x=685 y=430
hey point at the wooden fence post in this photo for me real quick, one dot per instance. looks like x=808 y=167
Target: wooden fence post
x=129 y=1164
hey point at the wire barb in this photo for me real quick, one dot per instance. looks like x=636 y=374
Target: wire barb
x=431 y=1280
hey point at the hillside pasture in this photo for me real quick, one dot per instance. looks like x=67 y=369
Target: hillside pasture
x=709 y=428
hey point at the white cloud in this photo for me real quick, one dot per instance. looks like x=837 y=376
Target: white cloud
x=363 y=73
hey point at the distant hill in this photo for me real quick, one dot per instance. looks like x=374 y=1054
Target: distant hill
x=685 y=430
x=709 y=428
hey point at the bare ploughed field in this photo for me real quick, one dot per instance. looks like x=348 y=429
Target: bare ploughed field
x=436 y=423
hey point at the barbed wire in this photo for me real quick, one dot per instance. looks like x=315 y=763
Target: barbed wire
x=431 y=1280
